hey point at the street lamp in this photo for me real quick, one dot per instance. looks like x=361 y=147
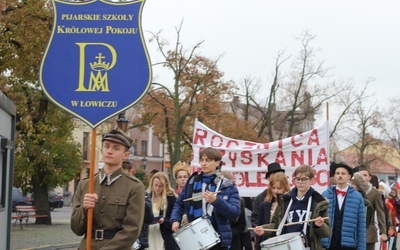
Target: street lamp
x=122 y=122
x=144 y=162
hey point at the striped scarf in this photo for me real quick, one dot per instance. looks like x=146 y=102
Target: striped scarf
x=196 y=205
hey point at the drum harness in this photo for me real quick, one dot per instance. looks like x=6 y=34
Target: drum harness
x=303 y=234
x=208 y=208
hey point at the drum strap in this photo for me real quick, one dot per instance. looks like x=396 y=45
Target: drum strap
x=308 y=214
x=286 y=215
x=210 y=207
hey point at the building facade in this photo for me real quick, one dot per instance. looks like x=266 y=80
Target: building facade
x=383 y=157
x=147 y=151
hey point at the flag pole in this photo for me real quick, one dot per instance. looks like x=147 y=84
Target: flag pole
x=91 y=187
x=327 y=111
x=329 y=144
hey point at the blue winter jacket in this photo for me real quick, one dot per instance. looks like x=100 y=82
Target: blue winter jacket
x=353 y=223
x=226 y=208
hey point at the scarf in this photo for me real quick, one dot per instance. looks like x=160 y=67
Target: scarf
x=196 y=205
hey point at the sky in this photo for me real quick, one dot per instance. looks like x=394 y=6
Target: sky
x=357 y=39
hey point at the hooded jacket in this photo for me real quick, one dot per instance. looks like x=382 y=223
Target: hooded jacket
x=319 y=207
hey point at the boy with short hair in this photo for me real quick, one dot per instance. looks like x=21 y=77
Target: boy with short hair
x=117 y=200
x=220 y=208
x=375 y=197
x=300 y=204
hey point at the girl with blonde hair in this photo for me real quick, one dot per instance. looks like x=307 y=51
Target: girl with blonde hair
x=278 y=184
x=162 y=198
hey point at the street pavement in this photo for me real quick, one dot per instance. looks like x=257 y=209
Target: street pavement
x=56 y=236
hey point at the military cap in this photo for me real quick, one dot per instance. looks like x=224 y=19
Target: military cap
x=118 y=136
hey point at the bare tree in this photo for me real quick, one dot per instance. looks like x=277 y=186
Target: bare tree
x=343 y=106
x=304 y=92
x=197 y=91
x=366 y=119
x=294 y=97
x=348 y=97
x=390 y=125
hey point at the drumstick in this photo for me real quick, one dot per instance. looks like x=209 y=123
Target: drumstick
x=264 y=229
x=195 y=197
x=300 y=222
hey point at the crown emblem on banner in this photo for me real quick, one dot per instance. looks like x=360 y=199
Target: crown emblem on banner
x=100 y=64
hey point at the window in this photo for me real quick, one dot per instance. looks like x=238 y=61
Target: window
x=87 y=172
x=85 y=146
x=133 y=149
x=144 y=148
x=5 y=154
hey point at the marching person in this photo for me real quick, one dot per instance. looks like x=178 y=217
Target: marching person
x=148 y=219
x=117 y=201
x=278 y=184
x=359 y=184
x=127 y=167
x=142 y=242
x=375 y=197
x=346 y=213
x=300 y=204
x=213 y=197
x=273 y=168
x=162 y=198
x=238 y=226
x=181 y=173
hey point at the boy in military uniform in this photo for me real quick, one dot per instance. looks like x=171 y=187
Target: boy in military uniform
x=117 y=201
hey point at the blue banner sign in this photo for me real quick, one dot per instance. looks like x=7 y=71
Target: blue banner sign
x=96 y=63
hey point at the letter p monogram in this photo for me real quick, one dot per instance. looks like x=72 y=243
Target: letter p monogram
x=97 y=82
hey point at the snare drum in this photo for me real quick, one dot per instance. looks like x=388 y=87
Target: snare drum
x=199 y=234
x=289 y=241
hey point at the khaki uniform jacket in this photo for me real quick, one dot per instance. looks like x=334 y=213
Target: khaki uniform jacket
x=119 y=209
x=375 y=197
x=320 y=209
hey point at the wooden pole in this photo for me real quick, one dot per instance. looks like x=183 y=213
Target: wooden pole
x=91 y=187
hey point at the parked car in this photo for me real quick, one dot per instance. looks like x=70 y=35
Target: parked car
x=55 y=200
x=18 y=199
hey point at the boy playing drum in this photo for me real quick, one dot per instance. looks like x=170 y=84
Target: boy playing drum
x=302 y=203
x=206 y=194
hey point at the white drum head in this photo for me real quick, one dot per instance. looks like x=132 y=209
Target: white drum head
x=277 y=240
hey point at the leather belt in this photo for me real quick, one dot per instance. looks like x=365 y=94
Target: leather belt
x=101 y=234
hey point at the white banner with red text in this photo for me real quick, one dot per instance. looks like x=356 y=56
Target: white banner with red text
x=248 y=161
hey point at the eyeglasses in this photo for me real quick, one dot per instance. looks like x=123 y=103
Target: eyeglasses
x=301 y=180
x=182 y=177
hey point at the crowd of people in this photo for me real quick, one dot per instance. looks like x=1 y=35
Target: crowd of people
x=355 y=213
